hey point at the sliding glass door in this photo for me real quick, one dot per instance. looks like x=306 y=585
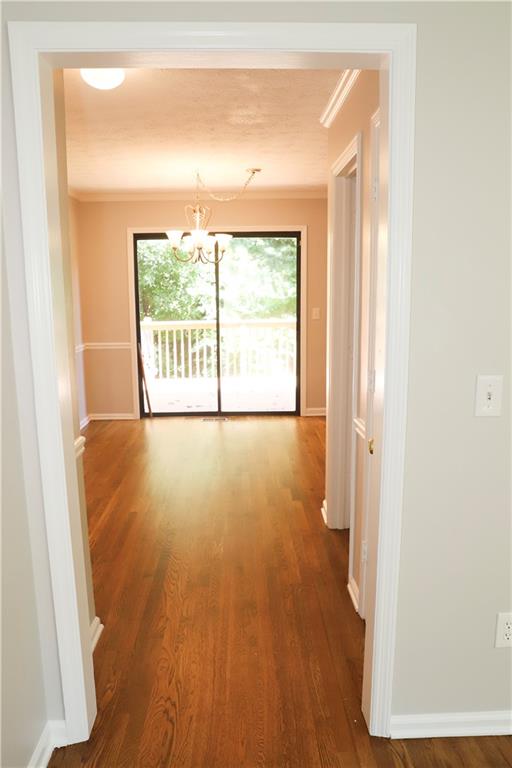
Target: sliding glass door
x=219 y=339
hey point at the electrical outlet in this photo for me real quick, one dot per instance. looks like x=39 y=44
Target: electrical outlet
x=504 y=630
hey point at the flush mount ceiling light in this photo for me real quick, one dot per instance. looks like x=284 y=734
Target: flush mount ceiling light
x=198 y=245
x=103 y=79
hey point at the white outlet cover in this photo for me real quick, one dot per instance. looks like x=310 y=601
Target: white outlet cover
x=504 y=630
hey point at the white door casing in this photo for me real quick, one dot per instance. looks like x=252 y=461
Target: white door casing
x=371 y=372
x=36 y=48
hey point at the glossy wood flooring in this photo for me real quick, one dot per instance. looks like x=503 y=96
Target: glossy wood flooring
x=230 y=640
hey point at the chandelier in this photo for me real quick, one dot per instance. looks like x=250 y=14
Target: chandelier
x=198 y=245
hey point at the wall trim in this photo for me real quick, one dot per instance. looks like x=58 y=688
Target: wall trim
x=353 y=591
x=185 y=195
x=84 y=422
x=323 y=510
x=107 y=345
x=313 y=412
x=497 y=723
x=79 y=348
x=359 y=427
x=96 y=629
x=339 y=96
x=52 y=736
x=79 y=446
x=112 y=416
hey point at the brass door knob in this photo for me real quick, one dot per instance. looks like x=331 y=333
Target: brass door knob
x=371 y=445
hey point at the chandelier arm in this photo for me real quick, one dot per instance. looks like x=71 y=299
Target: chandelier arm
x=230 y=197
x=183 y=261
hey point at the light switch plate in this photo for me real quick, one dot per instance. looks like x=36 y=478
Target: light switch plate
x=489 y=390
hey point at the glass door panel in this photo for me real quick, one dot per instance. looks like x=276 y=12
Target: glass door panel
x=258 y=310
x=177 y=329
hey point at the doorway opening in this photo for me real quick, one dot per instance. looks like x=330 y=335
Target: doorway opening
x=396 y=42
x=219 y=338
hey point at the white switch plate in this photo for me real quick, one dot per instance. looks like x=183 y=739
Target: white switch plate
x=504 y=630
x=315 y=313
x=489 y=391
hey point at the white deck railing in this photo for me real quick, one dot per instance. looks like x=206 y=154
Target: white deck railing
x=179 y=349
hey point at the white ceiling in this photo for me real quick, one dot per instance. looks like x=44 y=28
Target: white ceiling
x=159 y=126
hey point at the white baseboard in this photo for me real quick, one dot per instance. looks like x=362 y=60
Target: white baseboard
x=84 y=422
x=111 y=416
x=53 y=735
x=353 y=591
x=96 y=630
x=313 y=412
x=497 y=723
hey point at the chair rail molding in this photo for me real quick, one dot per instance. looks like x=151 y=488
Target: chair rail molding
x=37 y=48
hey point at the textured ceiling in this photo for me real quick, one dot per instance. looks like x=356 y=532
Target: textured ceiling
x=156 y=129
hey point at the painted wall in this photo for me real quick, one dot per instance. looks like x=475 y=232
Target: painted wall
x=101 y=239
x=353 y=118
x=24 y=704
x=455 y=555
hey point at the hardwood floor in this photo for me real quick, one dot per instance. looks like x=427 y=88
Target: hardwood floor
x=230 y=640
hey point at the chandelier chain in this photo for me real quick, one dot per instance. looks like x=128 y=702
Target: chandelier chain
x=227 y=198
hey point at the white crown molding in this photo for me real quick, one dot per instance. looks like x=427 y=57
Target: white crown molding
x=339 y=96
x=498 y=723
x=184 y=195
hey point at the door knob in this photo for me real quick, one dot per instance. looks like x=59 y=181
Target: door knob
x=371 y=445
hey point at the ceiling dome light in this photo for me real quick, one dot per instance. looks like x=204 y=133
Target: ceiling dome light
x=104 y=79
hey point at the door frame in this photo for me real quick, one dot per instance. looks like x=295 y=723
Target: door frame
x=299 y=234
x=344 y=268
x=39 y=47
x=302 y=229
x=372 y=299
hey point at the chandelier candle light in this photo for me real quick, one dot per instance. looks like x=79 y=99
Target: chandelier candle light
x=199 y=245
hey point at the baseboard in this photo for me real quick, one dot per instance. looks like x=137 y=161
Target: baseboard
x=84 y=422
x=323 y=510
x=96 y=630
x=53 y=735
x=497 y=723
x=353 y=591
x=313 y=412
x=111 y=416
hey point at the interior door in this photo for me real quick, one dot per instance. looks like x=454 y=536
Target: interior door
x=259 y=291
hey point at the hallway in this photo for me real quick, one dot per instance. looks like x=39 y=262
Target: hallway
x=230 y=640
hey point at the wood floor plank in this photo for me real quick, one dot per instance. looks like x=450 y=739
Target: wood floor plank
x=230 y=639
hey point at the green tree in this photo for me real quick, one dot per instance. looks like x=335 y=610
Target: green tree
x=170 y=290
x=258 y=279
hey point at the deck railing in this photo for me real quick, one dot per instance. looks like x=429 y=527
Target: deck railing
x=179 y=349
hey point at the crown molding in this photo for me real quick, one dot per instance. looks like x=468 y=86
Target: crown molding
x=339 y=96
x=184 y=195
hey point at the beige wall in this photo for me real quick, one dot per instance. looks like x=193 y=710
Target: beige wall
x=353 y=118
x=105 y=291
